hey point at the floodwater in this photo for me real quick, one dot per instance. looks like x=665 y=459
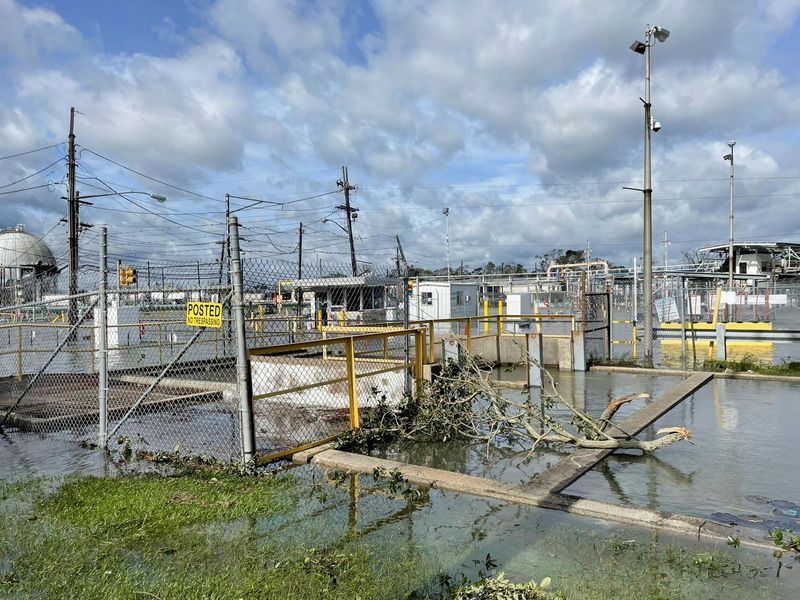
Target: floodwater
x=742 y=461
x=742 y=464
x=454 y=534
x=589 y=391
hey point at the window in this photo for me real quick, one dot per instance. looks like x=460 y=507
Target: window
x=427 y=297
x=459 y=297
x=337 y=297
x=368 y=295
x=378 y=295
x=743 y=267
x=354 y=299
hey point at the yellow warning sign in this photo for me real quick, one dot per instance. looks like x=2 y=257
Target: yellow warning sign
x=204 y=314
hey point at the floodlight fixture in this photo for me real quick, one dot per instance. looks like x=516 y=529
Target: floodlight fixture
x=660 y=33
x=638 y=47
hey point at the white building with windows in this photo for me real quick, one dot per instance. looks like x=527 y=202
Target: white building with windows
x=443 y=300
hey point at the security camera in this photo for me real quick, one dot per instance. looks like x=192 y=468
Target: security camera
x=656 y=126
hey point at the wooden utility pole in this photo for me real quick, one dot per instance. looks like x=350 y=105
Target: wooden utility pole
x=72 y=223
x=344 y=184
x=300 y=254
x=300 y=272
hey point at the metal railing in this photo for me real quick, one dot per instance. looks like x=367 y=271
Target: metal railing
x=319 y=387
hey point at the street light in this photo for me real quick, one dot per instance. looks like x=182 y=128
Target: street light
x=729 y=157
x=157 y=197
x=335 y=223
x=660 y=34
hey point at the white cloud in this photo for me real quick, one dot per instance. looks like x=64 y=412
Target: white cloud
x=495 y=94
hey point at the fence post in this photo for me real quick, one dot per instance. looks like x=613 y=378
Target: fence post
x=407 y=325
x=352 y=390
x=102 y=341
x=19 y=352
x=242 y=359
x=419 y=356
x=431 y=343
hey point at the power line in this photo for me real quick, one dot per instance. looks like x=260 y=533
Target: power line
x=30 y=151
x=52 y=164
x=170 y=185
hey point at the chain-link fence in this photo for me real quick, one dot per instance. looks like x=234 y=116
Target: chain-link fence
x=131 y=368
x=306 y=392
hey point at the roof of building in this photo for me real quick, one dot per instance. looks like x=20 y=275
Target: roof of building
x=753 y=246
x=320 y=283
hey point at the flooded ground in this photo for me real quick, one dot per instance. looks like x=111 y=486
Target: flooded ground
x=590 y=391
x=416 y=539
x=742 y=458
x=740 y=468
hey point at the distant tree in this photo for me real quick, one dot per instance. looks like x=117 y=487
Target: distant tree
x=418 y=271
x=557 y=256
x=490 y=268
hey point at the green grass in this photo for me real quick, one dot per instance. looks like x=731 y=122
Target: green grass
x=221 y=535
x=749 y=364
x=189 y=536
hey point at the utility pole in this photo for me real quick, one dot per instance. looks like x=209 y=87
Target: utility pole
x=647 y=238
x=300 y=254
x=300 y=272
x=344 y=184
x=731 y=258
x=72 y=222
x=446 y=213
x=661 y=35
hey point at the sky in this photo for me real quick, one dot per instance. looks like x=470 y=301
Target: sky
x=523 y=118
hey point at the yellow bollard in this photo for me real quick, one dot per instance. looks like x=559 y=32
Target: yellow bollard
x=352 y=391
x=419 y=359
x=486 y=314
x=431 y=343
x=500 y=312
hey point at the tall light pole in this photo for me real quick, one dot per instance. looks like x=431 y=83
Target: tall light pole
x=660 y=34
x=446 y=213
x=729 y=157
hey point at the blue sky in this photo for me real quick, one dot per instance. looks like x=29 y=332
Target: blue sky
x=523 y=118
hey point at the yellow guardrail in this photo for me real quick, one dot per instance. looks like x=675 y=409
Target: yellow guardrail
x=349 y=378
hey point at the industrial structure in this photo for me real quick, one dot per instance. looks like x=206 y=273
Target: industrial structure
x=27 y=266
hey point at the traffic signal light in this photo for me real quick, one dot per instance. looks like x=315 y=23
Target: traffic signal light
x=127 y=276
x=410 y=288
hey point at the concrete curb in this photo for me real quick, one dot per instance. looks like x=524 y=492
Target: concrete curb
x=479 y=486
x=680 y=373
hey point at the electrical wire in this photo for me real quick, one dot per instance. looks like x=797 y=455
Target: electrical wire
x=30 y=151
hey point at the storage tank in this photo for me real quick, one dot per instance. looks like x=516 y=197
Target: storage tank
x=25 y=258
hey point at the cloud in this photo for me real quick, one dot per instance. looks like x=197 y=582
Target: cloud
x=523 y=118
x=30 y=34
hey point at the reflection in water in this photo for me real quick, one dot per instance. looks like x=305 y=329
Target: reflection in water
x=700 y=350
x=741 y=450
